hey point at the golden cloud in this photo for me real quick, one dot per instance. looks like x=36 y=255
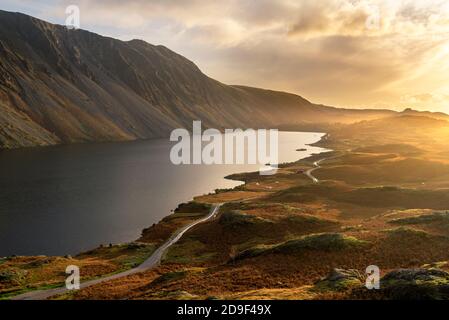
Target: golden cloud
x=339 y=52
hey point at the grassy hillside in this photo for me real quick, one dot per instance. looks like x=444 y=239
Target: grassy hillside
x=382 y=199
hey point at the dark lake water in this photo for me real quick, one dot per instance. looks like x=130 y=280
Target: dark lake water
x=66 y=199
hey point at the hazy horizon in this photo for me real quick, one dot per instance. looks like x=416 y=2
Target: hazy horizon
x=370 y=54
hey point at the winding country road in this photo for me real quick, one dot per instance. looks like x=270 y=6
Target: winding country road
x=153 y=260
x=316 y=165
x=148 y=264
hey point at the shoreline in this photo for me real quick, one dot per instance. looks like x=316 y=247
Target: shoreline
x=192 y=197
x=227 y=190
x=151 y=262
x=283 y=225
x=243 y=183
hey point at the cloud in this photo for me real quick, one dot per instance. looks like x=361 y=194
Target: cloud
x=320 y=18
x=439 y=101
x=338 y=52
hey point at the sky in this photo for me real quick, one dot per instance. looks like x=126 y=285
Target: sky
x=346 y=53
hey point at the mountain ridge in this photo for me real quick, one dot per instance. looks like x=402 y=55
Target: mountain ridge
x=60 y=85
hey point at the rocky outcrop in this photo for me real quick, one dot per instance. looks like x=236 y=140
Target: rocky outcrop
x=339 y=280
x=416 y=284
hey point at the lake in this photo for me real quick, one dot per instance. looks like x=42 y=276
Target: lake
x=67 y=199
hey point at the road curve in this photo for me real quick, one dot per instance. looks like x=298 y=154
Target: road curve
x=316 y=166
x=148 y=264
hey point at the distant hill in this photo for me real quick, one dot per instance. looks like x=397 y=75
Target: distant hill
x=435 y=115
x=65 y=86
x=403 y=128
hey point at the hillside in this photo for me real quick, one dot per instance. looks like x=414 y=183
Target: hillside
x=65 y=86
x=380 y=198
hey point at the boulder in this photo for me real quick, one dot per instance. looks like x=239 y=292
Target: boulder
x=416 y=284
x=340 y=280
